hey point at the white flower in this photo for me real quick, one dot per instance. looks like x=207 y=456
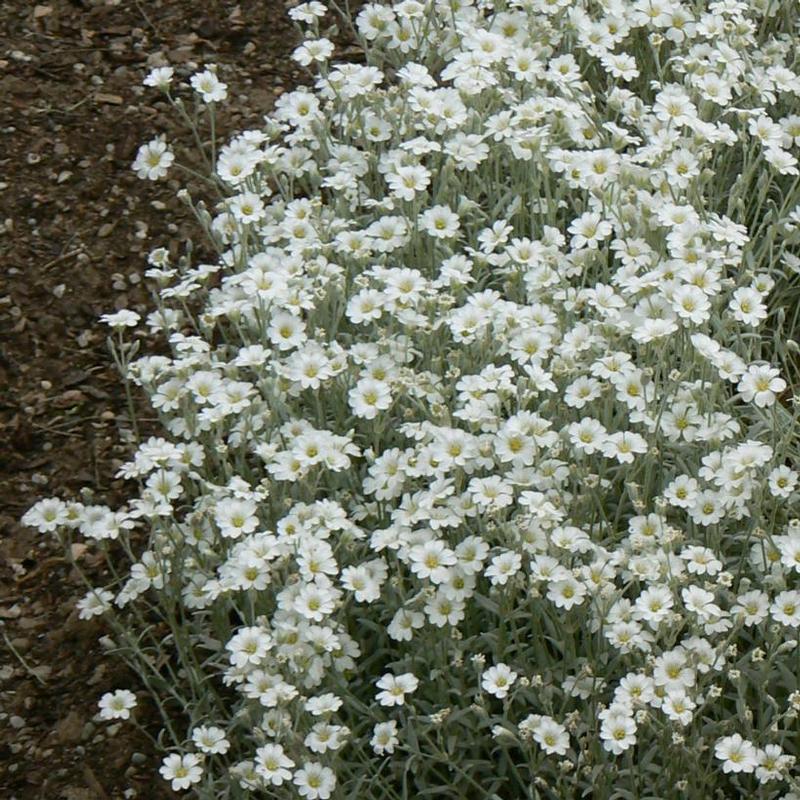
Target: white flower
x=313 y=50
x=618 y=731
x=308 y=12
x=408 y=181
x=153 y=160
x=183 y=771
x=772 y=764
x=589 y=230
x=236 y=517
x=748 y=307
x=654 y=604
x=752 y=607
x=623 y=446
x=550 y=735
x=783 y=162
x=247 y=207
x=94 y=603
x=326 y=703
x=440 y=222
x=673 y=671
x=395 y=688
x=503 y=566
x=403 y=624
x=673 y=106
x=566 y=593
x=782 y=481
x=210 y=739
x=736 y=753
x=634 y=689
x=785 y=608
x=789 y=547
x=442 y=609
x=708 y=508
x=314 y=781
x=498 y=680
x=273 y=765
x=691 y=303
x=432 y=560
x=210 y=88
x=491 y=493
x=121 y=319
x=160 y=77
x=384 y=737
x=679 y=707
x=46 y=515
x=368 y=397
x=682 y=492
x=117 y=704
x=249 y=645
x=588 y=435
x=701 y=560
x=760 y=385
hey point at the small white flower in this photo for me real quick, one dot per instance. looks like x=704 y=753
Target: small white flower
x=210 y=740
x=313 y=50
x=210 y=88
x=94 y=603
x=785 y=608
x=314 y=781
x=395 y=688
x=121 y=319
x=182 y=771
x=117 y=705
x=736 y=753
x=761 y=384
x=440 y=222
x=273 y=765
x=46 y=515
x=153 y=160
x=550 y=735
x=159 y=77
x=384 y=737
x=498 y=680
x=618 y=730
x=368 y=397
x=782 y=481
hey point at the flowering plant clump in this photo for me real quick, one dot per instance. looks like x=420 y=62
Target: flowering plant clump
x=478 y=475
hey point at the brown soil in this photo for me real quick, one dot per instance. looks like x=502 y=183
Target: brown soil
x=76 y=225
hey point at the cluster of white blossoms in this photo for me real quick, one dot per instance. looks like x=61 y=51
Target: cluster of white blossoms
x=478 y=475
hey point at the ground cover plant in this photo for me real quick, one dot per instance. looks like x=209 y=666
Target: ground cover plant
x=477 y=473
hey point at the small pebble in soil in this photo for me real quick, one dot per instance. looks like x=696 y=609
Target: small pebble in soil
x=17 y=722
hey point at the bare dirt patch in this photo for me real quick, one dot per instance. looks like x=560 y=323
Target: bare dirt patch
x=75 y=228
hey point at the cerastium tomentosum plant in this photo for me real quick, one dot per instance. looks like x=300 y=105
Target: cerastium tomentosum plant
x=477 y=476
